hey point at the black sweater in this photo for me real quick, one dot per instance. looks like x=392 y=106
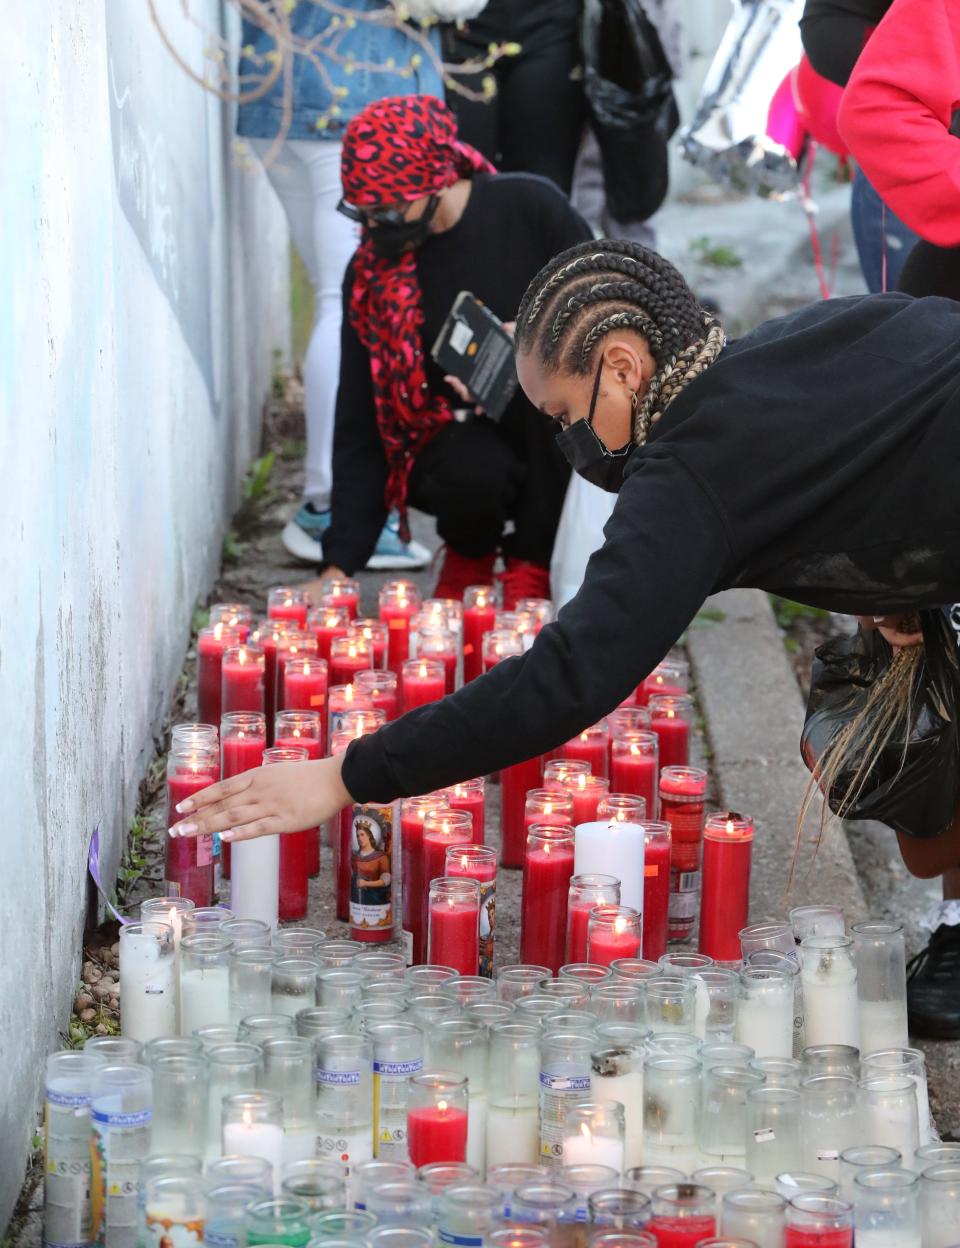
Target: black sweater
x=817 y=458
x=512 y=225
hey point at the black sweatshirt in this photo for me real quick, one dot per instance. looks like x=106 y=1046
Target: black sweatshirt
x=834 y=32
x=817 y=458
x=512 y=225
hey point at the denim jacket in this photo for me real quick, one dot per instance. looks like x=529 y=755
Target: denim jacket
x=312 y=97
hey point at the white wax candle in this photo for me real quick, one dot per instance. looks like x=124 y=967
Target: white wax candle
x=831 y=1011
x=255 y=880
x=702 y=1008
x=204 y=998
x=477 y=1133
x=606 y=847
x=896 y=1127
x=881 y=1238
x=765 y=1023
x=883 y=1024
x=627 y=1089
x=584 y=1147
x=256 y=1139
x=513 y=1134
x=148 y=989
x=299 y=1144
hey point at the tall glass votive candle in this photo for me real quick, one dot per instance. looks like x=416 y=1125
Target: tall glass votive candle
x=887 y=1113
x=912 y=1063
x=236 y=615
x=671 y=1003
x=342 y=591
x=284 y=1221
x=618 y=1209
x=880 y=955
x=552 y=807
x=765 y=1012
x=682 y=795
x=499 y=644
x=671 y=1097
x=267 y=637
x=592 y=746
x=189 y=870
x=294 y=864
x=724 y=1114
x=725 y=885
x=230 y=1068
x=251 y=969
x=120 y=1115
x=344 y=1074
x=461 y=1046
x=627 y=719
x=557 y=771
x=423 y=680
x=672 y=676
x=287 y=602
x=180 y=1092
x=443 y=829
x=478 y=862
x=413 y=810
x=469 y=795
x=303 y=729
x=520 y=980
x=467 y=1212
x=399 y=602
x=296 y=645
x=618 y=1002
x=516 y=782
x=772 y=1132
x=886 y=1209
x=940 y=1204
x=67 y=1211
x=293 y=985
x=621 y=808
x=656 y=886
x=757 y=1217
x=289 y=1072
x=613 y=932
x=148 y=981
x=549 y=1206
x=325 y=623
x=828 y=1122
x=586 y=891
x=382 y=688
x=437 y=1118
x=634 y=766
x=398 y=1054
x=305 y=680
x=377 y=636
x=814 y=1221
x=587 y=793
x=830 y=999
x=253 y=1127
x=565 y=1080
x=242 y=675
x=211 y=644
x=204 y=981
x=816 y=921
x=671 y=718
x=683 y=1215
x=547 y=868
x=454 y=924
x=438 y=645
x=348 y=656
x=616 y=1072
x=862 y=1157
x=513 y=1088
x=479 y=610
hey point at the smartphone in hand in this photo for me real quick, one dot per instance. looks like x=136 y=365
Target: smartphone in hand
x=473 y=346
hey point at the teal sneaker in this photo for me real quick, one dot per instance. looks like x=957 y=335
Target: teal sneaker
x=392 y=554
x=302 y=535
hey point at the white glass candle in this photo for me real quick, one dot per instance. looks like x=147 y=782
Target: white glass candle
x=513 y=1127
x=887 y=1113
x=910 y=1062
x=253 y=1127
x=597 y=845
x=765 y=1012
x=204 y=982
x=831 y=1006
x=616 y=1073
x=513 y=1134
x=255 y=880
x=148 y=998
x=593 y=1135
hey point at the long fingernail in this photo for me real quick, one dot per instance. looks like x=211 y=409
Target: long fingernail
x=227 y=836
x=183 y=829
x=184 y=807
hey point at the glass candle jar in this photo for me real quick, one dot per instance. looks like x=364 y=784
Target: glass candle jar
x=236 y=615
x=756 y=1216
x=148 y=991
x=864 y=1157
x=591 y=746
x=478 y=862
x=671 y=1112
x=466 y=988
x=338 y=1225
x=618 y=1209
x=616 y=1073
x=454 y=923
x=886 y=1209
x=594 y=1136
x=226 y=1212
x=683 y=1214
x=180 y=1102
x=828 y=1122
x=723 y=1125
x=671 y=718
x=259 y=1027
x=586 y=891
x=765 y=1012
x=404 y=1202
x=253 y=1127
x=940 y=1205
x=634 y=766
x=425 y=980
x=721 y=1180
x=772 y=1131
x=911 y=1063
x=613 y=932
x=547 y=868
x=461 y=1046
x=344 y=1075
x=170 y=1046
x=284 y=1221
x=121 y=1100
x=829 y=977
x=550 y=1206
x=398 y=1052
x=175 y=1210
x=725 y=1053
x=289 y=1073
x=113 y=1050
x=230 y=1068
x=940 y=1154
x=293 y=985
x=565 y=1080
x=247 y=933
x=880 y=956
x=429 y=1008
x=814 y=1221
x=671 y=1004
x=622 y=808
x=618 y=1002
x=513 y=1093
x=506 y=1177
x=340 y=989
x=467 y=1212
x=674 y=1044
x=437 y=1118
x=235 y=1170
x=831 y=1059
x=816 y=921
x=250 y=981
x=682 y=793
x=68 y=1091
x=887 y=1114
x=647 y=1179
x=204 y=981
x=725 y=887
x=588 y=792
x=192 y=765
x=520 y=980
x=798 y=1182
x=722 y=1003
x=439 y=1175
x=367 y=1175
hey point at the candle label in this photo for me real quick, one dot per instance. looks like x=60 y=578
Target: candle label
x=557 y=1093
x=117 y=1144
x=488 y=918
x=407 y=939
x=684 y=890
x=390 y=1107
x=67 y=1170
x=166 y=1232
x=451 y=1237
x=372 y=874
x=348 y=1147
x=764 y=1135
x=205 y=850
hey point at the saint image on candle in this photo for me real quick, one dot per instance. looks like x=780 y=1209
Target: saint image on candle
x=370 y=875
x=488 y=917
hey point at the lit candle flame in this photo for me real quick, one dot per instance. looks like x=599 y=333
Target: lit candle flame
x=585 y=1131
x=581 y=781
x=442 y=1106
x=464 y=861
x=423 y=671
x=241 y=655
x=619 y=925
x=634 y=749
x=218 y=631
x=730 y=827
x=306 y=667
x=247 y=1118
x=584 y=736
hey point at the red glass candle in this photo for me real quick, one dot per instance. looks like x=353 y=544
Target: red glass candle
x=437 y=1118
x=670 y=718
x=211 y=644
x=441 y=829
x=587 y=793
x=377 y=636
x=242 y=671
x=626 y=719
x=422 y=681
x=470 y=795
x=613 y=932
x=382 y=690
x=288 y=603
x=592 y=746
x=541 y=610
x=294 y=849
x=341 y=700
x=189 y=870
x=325 y=623
x=235 y=615
x=371 y=851
x=586 y=891
x=635 y=766
x=725 y=885
x=295 y=729
x=683 y=1214
x=547 y=868
x=305 y=687
x=557 y=771
x=342 y=592
x=479 y=862
x=267 y=636
x=656 y=888
x=549 y=807
x=453 y=918
x=682 y=795
x=499 y=644
x=296 y=645
x=814 y=1220
x=479 y=608
x=515 y=783
x=412 y=880
x=622 y=808
x=440 y=646
x=672 y=676
x=349 y=655
x=340 y=834
x=399 y=602
x=243 y=738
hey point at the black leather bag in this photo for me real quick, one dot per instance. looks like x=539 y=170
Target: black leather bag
x=632 y=108
x=914 y=786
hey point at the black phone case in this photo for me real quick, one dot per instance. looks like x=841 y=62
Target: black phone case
x=473 y=346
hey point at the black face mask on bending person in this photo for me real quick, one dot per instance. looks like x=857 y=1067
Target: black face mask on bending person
x=392 y=238
x=586 y=453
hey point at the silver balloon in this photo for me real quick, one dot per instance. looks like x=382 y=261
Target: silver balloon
x=727 y=137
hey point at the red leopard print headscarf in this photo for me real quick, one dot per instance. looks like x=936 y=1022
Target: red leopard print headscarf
x=399 y=149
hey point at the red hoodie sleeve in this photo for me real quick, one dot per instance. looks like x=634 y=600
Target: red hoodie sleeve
x=896 y=112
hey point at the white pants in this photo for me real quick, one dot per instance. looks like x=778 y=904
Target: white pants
x=306 y=178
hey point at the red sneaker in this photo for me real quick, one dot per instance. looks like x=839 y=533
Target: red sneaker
x=523 y=580
x=458 y=571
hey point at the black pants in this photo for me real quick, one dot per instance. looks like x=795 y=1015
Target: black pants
x=475 y=475
x=535 y=121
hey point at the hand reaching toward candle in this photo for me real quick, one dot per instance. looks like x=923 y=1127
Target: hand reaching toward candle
x=286 y=797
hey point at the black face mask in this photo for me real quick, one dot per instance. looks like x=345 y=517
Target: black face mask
x=391 y=240
x=587 y=455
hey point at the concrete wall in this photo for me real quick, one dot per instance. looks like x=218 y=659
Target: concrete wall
x=144 y=284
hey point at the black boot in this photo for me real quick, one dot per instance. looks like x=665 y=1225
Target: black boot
x=933 y=986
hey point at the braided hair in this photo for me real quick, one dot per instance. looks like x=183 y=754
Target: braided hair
x=595 y=288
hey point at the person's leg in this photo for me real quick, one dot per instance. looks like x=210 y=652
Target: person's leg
x=882 y=240
x=933 y=981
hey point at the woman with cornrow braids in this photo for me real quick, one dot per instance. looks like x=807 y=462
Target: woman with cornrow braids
x=815 y=458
